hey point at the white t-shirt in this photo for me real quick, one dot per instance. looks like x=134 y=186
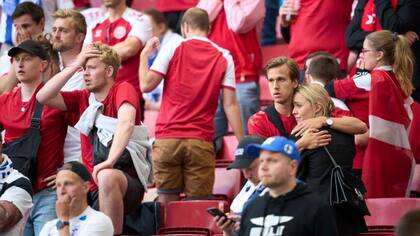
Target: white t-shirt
x=20 y=198
x=89 y=223
x=168 y=37
x=72 y=148
x=246 y=192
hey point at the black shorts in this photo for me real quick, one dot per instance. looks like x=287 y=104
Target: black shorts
x=132 y=198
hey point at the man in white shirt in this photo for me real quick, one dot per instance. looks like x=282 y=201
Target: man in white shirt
x=75 y=217
x=252 y=188
x=249 y=167
x=15 y=198
x=68 y=33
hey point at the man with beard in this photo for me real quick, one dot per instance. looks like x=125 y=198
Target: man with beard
x=290 y=207
x=69 y=31
x=105 y=103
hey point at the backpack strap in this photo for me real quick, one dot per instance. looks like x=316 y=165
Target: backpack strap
x=36 y=117
x=274 y=117
x=21 y=182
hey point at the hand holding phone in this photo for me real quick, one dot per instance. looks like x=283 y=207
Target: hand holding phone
x=216 y=212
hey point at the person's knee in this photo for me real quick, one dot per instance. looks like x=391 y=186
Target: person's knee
x=110 y=180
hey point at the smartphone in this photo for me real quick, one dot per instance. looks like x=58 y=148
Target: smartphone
x=216 y=212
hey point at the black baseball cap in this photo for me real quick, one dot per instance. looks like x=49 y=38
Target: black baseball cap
x=77 y=168
x=242 y=160
x=32 y=47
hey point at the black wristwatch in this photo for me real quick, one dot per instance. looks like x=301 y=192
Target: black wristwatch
x=61 y=224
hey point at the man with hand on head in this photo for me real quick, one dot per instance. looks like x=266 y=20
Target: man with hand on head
x=75 y=217
x=107 y=113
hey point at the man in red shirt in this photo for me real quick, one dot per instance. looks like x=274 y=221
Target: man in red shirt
x=126 y=30
x=234 y=28
x=119 y=189
x=317 y=25
x=194 y=72
x=30 y=60
x=282 y=75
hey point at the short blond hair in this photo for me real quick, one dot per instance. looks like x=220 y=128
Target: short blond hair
x=77 y=17
x=317 y=95
x=109 y=56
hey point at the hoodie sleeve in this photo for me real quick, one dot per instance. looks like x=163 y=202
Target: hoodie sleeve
x=325 y=223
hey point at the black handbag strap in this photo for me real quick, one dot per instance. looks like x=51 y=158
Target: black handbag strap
x=273 y=116
x=331 y=157
x=36 y=117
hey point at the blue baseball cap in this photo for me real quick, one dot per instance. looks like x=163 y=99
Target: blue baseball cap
x=275 y=144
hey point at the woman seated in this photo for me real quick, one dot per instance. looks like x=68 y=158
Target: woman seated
x=312 y=101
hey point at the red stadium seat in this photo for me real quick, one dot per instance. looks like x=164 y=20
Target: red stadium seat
x=228 y=184
x=227 y=155
x=415 y=184
x=141 y=5
x=150 y=121
x=191 y=217
x=385 y=212
x=274 y=51
x=265 y=96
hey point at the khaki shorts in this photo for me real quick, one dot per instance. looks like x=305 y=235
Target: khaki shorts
x=184 y=165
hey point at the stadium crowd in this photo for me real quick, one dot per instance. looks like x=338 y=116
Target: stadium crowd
x=78 y=78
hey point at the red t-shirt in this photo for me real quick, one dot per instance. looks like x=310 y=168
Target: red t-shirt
x=77 y=102
x=355 y=93
x=194 y=71
x=320 y=26
x=15 y=119
x=131 y=23
x=245 y=48
x=259 y=124
x=175 y=5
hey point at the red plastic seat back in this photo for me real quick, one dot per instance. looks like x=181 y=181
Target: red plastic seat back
x=227 y=154
x=265 y=96
x=415 y=184
x=192 y=214
x=150 y=121
x=227 y=183
x=385 y=212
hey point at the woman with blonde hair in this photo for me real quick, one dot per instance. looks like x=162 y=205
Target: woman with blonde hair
x=388 y=159
x=311 y=101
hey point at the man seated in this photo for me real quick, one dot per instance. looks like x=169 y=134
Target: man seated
x=15 y=197
x=290 y=207
x=249 y=167
x=75 y=217
x=107 y=113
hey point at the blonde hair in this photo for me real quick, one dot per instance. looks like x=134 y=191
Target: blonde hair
x=108 y=56
x=197 y=19
x=397 y=53
x=77 y=17
x=317 y=95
